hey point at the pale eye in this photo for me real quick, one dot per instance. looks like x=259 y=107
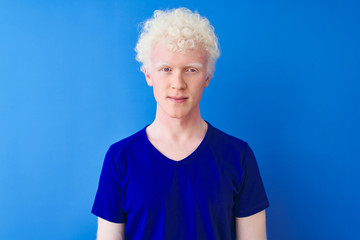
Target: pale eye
x=166 y=69
x=192 y=70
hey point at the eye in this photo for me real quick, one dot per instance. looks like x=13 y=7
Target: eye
x=192 y=70
x=165 y=69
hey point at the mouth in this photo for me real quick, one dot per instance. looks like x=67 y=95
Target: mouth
x=178 y=99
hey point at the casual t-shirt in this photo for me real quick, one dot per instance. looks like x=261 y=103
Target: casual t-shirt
x=195 y=198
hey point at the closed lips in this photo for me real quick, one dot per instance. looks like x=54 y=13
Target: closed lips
x=178 y=98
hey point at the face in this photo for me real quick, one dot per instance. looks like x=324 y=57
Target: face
x=178 y=80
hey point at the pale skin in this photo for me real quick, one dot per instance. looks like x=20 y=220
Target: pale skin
x=178 y=81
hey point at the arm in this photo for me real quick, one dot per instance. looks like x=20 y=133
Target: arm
x=252 y=227
x=110 y=231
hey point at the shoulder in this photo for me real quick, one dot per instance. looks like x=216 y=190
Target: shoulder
x=232 y=152
x=228 y=148
x=132 y=142
x=224 y=140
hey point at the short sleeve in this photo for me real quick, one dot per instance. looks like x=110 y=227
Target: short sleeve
x=251 y=197
x=108 y=199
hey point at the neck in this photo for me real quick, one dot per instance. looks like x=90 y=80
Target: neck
x=177 y=129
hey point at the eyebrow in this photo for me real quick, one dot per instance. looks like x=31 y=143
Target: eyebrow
x=195 y=64
x=161 y=64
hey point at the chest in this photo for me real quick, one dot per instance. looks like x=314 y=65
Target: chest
x=195 y=188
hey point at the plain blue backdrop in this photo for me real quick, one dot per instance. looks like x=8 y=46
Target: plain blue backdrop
x=287 y=82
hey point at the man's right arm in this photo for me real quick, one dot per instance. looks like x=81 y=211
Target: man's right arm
x=110 y=231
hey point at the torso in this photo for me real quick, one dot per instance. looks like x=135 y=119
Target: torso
x=164 y=199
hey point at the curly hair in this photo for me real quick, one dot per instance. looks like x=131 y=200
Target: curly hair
x=183 y=30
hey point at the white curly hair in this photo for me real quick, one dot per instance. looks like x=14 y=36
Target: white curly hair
x=183 y=30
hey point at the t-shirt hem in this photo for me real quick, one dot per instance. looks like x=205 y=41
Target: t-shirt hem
x=258 y=208
x=107 y=216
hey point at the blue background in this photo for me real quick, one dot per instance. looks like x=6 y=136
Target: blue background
x=287 y=82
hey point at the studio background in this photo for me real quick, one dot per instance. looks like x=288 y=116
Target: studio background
x=287 y=82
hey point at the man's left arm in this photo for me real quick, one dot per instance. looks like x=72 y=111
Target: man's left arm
x=252 y=227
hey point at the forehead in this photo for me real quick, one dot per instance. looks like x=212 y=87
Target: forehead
x=160 y=53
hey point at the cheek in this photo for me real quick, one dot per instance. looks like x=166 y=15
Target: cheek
x=198 y=91
x=158 y=91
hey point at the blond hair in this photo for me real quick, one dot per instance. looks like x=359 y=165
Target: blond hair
x=183 y=30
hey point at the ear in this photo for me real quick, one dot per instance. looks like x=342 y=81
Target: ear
x=207 y=80
x=148 y=78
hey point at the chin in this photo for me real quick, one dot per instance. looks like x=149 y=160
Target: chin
x=177 y=115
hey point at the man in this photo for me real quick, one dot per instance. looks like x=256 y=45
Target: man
x=179 y=177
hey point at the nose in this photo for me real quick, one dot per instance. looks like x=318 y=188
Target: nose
x=177 y=81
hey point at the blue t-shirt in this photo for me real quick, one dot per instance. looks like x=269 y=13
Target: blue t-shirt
x=195 y=198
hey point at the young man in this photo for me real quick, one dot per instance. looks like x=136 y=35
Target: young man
x=179 y=177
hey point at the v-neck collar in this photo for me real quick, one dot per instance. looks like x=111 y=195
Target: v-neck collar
x=183 y=161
